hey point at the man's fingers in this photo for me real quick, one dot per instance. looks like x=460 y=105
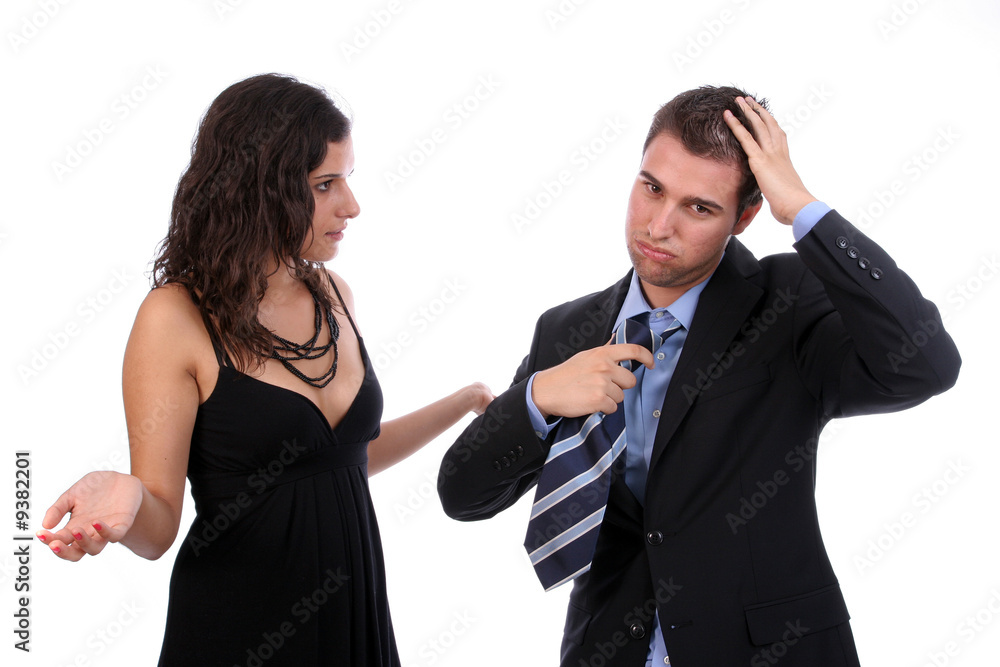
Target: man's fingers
x=754 y=112
x=760 y=128
x=631 y=351
x=765 y=116
x=619 y=383
x=609 y=406
x=741 y=133
x=770 y=136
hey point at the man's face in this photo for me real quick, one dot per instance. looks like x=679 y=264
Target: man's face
x=681 y=213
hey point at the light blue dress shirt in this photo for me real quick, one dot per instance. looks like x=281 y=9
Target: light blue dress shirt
x=643 y=402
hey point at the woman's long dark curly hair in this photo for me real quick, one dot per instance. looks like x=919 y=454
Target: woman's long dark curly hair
x=244 y=206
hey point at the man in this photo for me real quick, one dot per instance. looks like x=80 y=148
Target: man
x=709 y=551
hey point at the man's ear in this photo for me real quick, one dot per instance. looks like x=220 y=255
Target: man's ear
x=746 y=218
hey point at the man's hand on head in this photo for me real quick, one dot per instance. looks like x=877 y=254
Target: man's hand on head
x=768 y=155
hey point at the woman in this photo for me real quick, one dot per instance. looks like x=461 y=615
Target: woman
x=283 y=562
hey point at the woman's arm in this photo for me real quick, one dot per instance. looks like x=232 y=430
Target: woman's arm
x=404 y=435
x=141 y=510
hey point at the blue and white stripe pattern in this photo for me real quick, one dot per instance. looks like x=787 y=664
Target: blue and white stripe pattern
x=572 y=492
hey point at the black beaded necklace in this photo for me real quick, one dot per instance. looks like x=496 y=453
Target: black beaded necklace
x=309 y=349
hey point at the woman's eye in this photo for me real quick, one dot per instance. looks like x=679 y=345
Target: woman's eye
x=324 y=186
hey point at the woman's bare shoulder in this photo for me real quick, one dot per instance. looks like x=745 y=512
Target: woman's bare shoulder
x=170 y=303
x=344 y=289
x=169 y=325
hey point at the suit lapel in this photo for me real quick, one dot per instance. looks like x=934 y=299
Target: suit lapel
x=722 y=309
x=589 y=325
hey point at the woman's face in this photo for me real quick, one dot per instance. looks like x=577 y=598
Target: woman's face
x=335 y=203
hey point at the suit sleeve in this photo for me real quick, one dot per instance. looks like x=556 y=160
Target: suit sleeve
x=498 y=457
x=882 y=346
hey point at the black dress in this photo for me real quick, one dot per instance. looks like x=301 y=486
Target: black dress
x=283 y=563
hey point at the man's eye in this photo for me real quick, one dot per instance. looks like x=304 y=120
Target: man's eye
x=655 y=189
x=701 y=209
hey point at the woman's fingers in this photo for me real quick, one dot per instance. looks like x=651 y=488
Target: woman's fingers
x=73 y=543
x=70 y=552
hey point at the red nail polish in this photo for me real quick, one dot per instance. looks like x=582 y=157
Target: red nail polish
x=41 y=537
x=56 y=549
x=97 y=527
x=78 y=536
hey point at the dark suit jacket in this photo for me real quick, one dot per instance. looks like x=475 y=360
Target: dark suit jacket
x=727 y=546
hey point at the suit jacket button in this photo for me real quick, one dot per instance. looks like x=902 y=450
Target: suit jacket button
x=863 y=263
x=876 y=273
x=654 y=537
x=637 y=630
x=842 y=242
x=853 y=252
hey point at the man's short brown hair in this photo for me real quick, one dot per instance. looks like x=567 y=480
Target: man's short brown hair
x=695 y=118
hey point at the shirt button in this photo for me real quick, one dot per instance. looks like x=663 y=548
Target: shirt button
x=540 y=434
x=666 y=661
x=656 y=414
x=659 y=315
x=661 y=356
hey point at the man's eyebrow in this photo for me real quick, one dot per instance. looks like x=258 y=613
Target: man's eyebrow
x=649 y=177
x=707 y=203
x=701 y=201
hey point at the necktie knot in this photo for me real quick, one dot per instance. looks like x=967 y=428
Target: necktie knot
x=636 y=330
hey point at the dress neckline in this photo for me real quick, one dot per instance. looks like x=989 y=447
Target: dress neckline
x=224 y=362
x=366 y=362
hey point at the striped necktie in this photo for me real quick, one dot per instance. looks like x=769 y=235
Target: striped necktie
x=572 y=492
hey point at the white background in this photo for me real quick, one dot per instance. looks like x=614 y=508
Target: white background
x=862 y=88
